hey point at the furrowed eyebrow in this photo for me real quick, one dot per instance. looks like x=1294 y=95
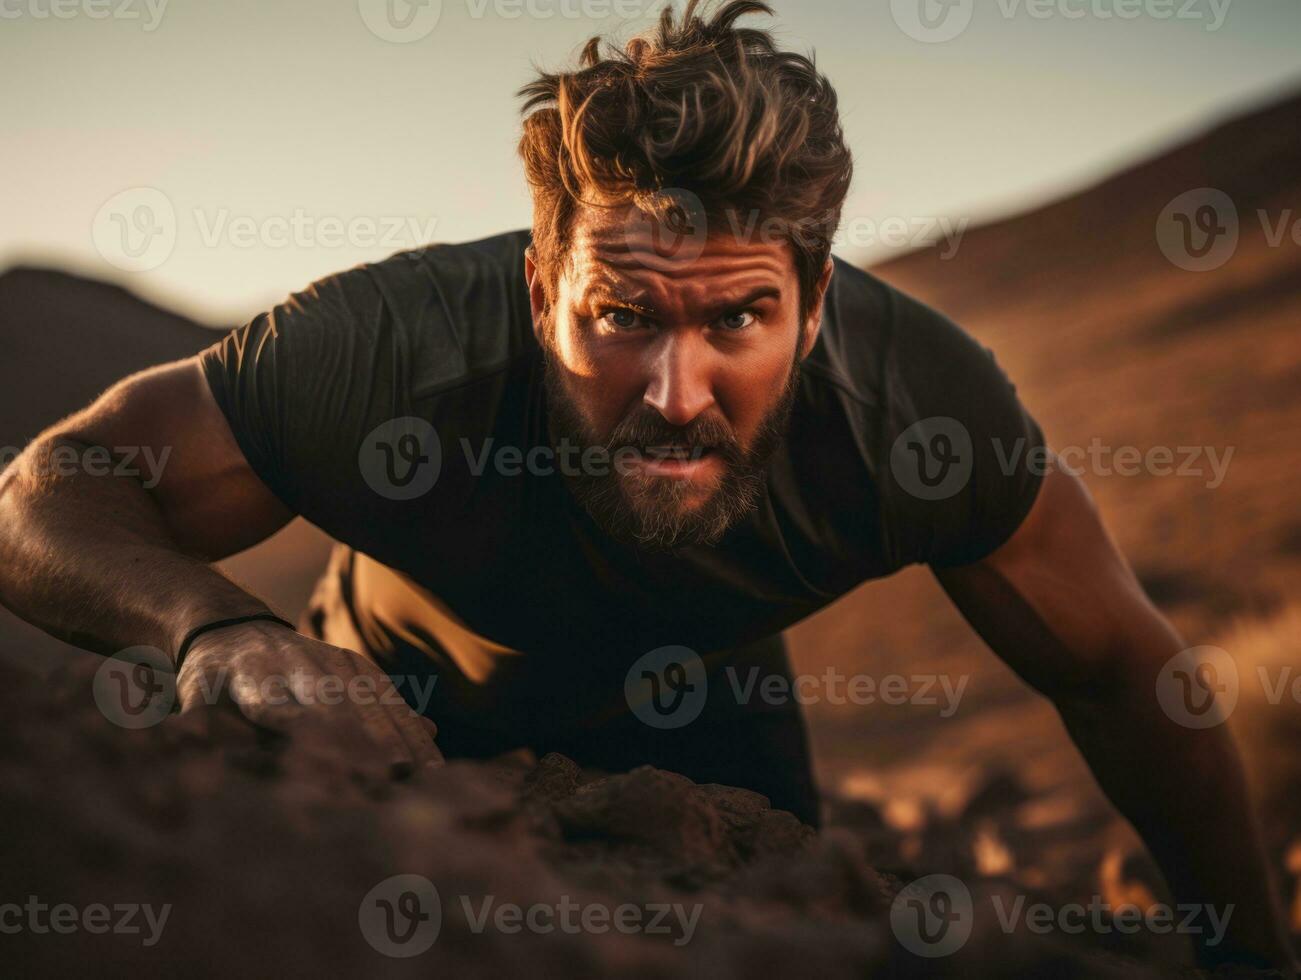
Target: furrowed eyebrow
x=749 y=299
x=639 y=303
x=601 y=296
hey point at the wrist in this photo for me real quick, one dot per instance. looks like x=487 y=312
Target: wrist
x=199 y=625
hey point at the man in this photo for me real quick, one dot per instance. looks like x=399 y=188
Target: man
x=631 y=444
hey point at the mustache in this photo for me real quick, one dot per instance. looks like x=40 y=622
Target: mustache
x=648 y=428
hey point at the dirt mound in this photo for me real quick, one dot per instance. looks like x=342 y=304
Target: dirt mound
x=232 y=853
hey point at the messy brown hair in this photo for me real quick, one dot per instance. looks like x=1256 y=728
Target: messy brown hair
x=696 y=105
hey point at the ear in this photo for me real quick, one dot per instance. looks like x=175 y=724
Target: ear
x=537 y=296
x=814 y=323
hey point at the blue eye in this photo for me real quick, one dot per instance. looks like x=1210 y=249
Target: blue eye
x=622 y=319
x=729 y=320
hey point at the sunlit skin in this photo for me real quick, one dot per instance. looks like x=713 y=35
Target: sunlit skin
x=679 y=353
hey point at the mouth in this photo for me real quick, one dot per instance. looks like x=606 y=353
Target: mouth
x=679 y=462
x=677 y=453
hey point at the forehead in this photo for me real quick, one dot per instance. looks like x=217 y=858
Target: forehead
x=619 y=251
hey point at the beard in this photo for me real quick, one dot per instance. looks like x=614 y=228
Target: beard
x=655 y=512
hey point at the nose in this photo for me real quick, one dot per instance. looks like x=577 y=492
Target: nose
x=680 y=387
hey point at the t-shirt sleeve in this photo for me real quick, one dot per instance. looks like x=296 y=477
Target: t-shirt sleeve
x=962 y=457
x=302 y=384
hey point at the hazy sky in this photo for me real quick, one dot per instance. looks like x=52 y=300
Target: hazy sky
x=281 y=140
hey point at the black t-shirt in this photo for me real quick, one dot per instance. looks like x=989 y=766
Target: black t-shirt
x=497 y=580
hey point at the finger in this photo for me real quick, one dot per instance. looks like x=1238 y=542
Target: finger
x=387 y=706
x=420 y=733
x=431 y=728
x=412 y=727
x=400 y=758
x=415 y=730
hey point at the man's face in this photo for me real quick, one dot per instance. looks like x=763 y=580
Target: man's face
x=684 y=371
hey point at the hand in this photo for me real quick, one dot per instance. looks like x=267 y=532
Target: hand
x=323 y=697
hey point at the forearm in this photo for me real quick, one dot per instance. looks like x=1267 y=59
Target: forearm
x=1185 y=793
x=90 y=560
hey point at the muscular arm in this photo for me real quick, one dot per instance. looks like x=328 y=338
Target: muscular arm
x=1061 y=606
x=92 y=556
x=96 y=557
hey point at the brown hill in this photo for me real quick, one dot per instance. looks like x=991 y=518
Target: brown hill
x=1109 y=340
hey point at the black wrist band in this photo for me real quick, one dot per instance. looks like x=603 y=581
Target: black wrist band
x=198 y=631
